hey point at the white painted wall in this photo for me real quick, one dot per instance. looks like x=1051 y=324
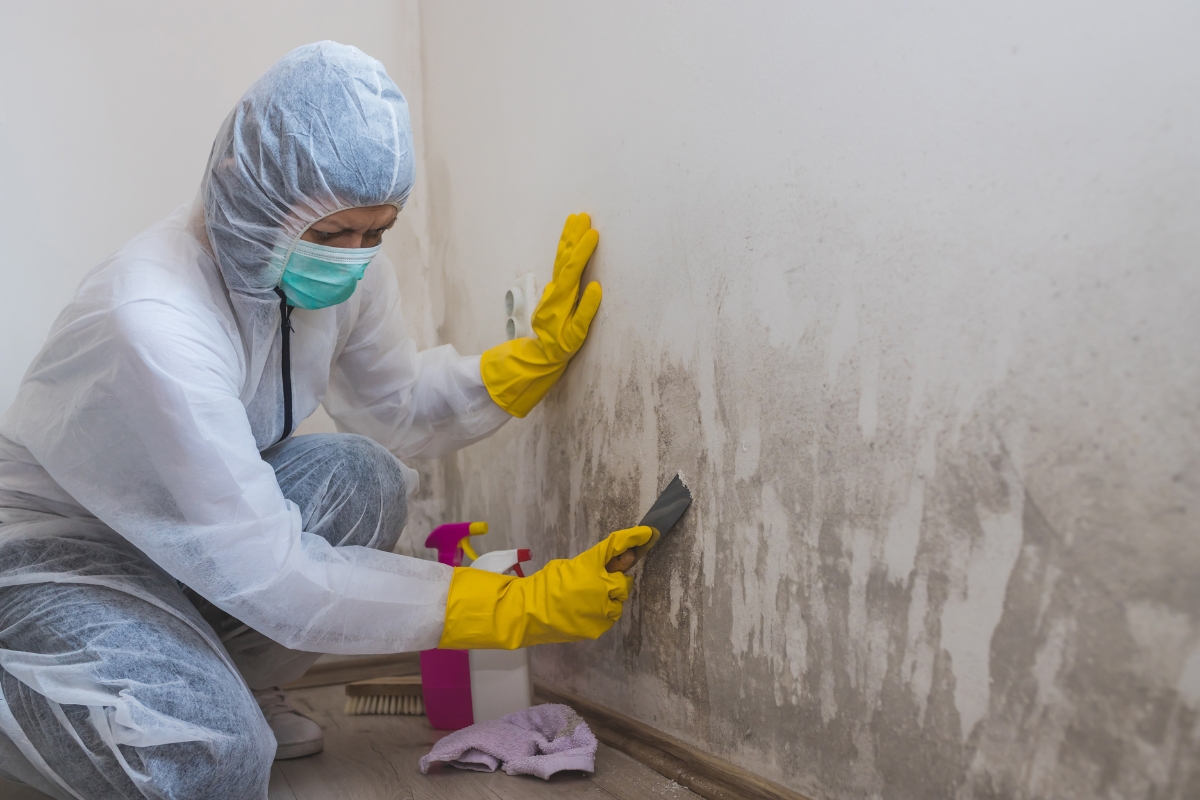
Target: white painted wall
x=909 y=292
x=108 y=115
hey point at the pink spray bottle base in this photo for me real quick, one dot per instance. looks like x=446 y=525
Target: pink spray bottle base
x=446 y=674
x=446 y=685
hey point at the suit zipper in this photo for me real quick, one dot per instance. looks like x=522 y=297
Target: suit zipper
x=285 y=328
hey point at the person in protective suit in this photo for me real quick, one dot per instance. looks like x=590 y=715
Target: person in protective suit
x=170 y=553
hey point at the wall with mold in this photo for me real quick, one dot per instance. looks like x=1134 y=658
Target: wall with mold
x=909 y=294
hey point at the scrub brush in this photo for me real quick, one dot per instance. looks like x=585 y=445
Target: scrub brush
x=400 y=695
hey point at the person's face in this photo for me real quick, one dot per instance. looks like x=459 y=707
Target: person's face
x=353 y=227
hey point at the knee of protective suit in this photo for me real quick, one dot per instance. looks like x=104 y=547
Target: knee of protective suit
x=350 y=489
x=233 y=761
x=235 y=765
x=379 y=475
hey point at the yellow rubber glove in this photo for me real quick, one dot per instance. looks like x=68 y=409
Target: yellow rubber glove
x=565 y=601
x=519 y=372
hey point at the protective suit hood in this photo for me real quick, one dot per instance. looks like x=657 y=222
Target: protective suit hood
x=324 y=129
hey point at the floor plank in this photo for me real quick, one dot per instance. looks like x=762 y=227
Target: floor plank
x=375 y=758
x=371 y=757
x=353 y=766
x=279 y=788
x=19 y=791
x=627 y=779
x=575 y=785
x=357 y=748
x=451 y=784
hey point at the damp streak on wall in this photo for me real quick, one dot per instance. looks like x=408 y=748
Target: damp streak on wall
x=910 y=296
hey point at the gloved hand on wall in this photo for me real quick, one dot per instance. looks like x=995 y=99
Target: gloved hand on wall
x=519 y=372
x=565 y=601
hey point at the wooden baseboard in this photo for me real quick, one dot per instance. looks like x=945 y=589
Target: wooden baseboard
x=358 y=669
x=705 y=774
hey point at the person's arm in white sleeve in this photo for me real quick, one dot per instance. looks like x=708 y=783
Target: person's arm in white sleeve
x=414 y=403
x=166 y=458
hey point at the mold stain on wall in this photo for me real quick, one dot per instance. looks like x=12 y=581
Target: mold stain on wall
x=854 y=616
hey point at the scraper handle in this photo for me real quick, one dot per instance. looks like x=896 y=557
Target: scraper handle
x=621 y=562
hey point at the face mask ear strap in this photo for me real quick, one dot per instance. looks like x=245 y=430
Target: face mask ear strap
x=291 y=249
x=295 y=240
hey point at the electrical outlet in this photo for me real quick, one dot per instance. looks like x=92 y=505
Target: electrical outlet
x=519 y=302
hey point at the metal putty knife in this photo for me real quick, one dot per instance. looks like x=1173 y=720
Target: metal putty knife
x=662 y=516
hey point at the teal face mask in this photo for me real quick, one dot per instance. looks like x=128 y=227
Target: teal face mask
x=319 y=276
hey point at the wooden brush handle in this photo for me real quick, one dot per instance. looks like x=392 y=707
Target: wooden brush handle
x=622 y=562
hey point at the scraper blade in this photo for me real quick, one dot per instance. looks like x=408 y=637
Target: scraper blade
x=662 y=516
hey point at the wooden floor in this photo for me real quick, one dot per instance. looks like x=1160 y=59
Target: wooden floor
x=375 y=758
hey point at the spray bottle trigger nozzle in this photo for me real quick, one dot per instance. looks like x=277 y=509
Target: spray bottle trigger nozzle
x=466 y=548
x=450 y=540
x=474 y=529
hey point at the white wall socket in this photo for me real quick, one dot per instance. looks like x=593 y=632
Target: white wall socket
x=519 y=302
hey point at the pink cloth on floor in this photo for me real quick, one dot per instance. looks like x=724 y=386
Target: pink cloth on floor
x=541 y=741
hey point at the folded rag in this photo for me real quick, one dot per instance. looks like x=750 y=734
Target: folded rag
x=541 y=741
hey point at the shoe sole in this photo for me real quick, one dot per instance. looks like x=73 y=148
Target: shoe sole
x=299 y=749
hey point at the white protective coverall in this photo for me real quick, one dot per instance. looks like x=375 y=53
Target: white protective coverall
x=142 y=419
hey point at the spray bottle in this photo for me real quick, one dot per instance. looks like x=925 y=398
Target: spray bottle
x=463 y=687
x=500 y=679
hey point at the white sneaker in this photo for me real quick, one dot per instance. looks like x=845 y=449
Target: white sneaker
x=295 y=734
